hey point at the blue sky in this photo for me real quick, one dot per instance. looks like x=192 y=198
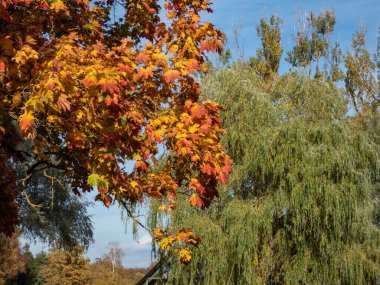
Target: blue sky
x=108 y=225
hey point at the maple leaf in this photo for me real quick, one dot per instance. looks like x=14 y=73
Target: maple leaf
x=105 y=198
x=145 y=73
x=142 y=58
x=195 y=200
x=26 y=121
x=171 y=75
x=168 y=5
x=125 y=68
x=141 y=165
x=50 y=84
x=2 y=66
x=184 y=256
x=108 y=101
x=90 y=81
x=63 y=104
x=58 y=6
x=206 y=168
x=192 y=66
x=198 y=111
x=93 y=179
x=108 y=85
x=207 y=46
x=166 y=243
x=158 y=233
x=195 y=185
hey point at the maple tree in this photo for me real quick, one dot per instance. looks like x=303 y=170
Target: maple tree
x=93 y=93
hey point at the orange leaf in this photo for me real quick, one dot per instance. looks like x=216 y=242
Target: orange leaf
x=108 y=101
x=89 y=81
x=195 y=200
x=142 y=58
x=192 y=65
x=206 y=168
x=195 y=185
x=108 y=85
x=198 y=111
x=63 y=104
x=50 y=84
x=125 y=68
x=207 y=45
x=171 y=75
x=2 y=66
x=141 y=165
x=26 y=121
x=145 y=73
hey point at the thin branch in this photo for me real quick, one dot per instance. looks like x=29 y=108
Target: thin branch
x=130 y=215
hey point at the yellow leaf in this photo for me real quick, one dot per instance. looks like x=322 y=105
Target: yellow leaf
x=162 y=208
x=193 y=129
x=133 y=184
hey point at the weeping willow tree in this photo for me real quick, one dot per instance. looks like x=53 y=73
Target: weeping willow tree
x=299 y=208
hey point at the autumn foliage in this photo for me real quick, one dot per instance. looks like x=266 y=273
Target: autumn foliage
x=93 y=93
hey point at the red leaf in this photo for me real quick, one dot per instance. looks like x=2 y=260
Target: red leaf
x=107 y=200
x=192 y=66
x=2 y=66
x=207 y=45
x=168 y=6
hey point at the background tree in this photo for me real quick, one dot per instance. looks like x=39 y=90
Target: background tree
x=302 y=206
x=313 y=43
x=114 y=256
x=11 y=260
x=301 y=194
x=31 y=275
x=66 y=267
x=361 y=82
x=268 y=57
x=49 y=212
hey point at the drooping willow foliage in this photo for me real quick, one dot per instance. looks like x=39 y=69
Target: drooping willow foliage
x=300 y=205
